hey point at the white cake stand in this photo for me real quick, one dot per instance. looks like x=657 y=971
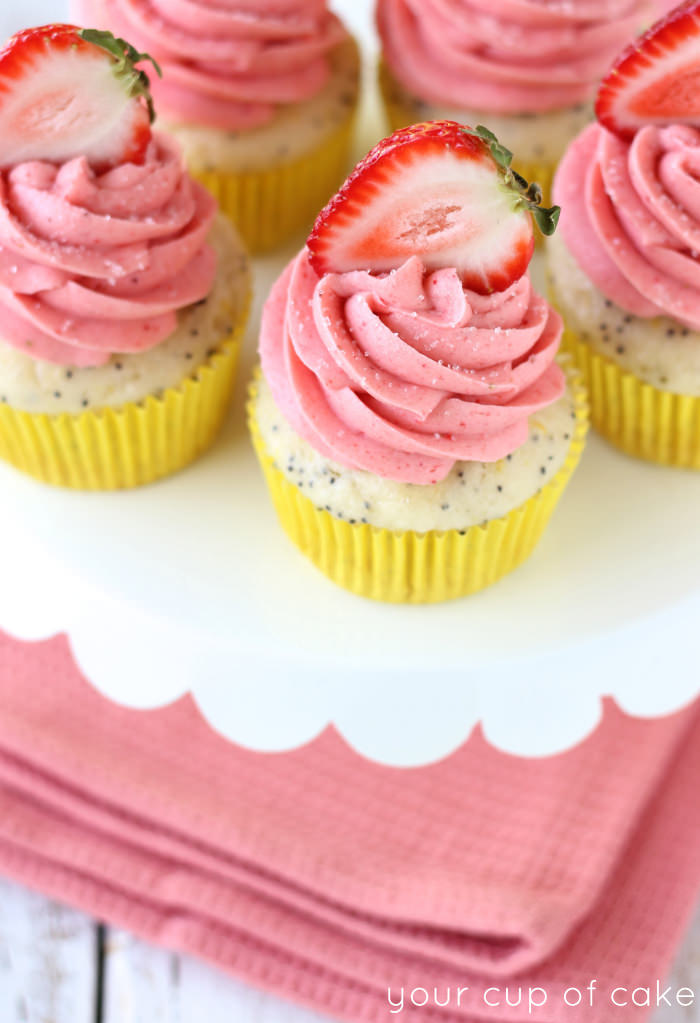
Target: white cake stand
x=190 y=585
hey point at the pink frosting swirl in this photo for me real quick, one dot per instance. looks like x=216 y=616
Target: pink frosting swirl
x=226 y=64
x=403 y=374
x=516 y=56
x=94 y=265
x=631 y=217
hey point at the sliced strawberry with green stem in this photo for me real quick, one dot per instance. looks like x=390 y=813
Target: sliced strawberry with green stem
x=656 y=80
x=441 y=191
x=67 y=92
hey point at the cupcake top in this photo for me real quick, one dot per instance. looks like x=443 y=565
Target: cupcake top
x=516 y=56
x=102 y=231
x=406 y=336
x=231 y=64
x=629 y=184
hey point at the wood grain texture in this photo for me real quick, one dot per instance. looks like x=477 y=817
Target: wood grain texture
x=686 y=973
x=141 y=983
x=148 y=985
x=48 y=960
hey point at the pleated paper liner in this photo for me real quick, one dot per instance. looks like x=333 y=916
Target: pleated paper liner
x=112 y=449
x=643 y=421
x=269 y=207
x=400 y=114
x=409 y=567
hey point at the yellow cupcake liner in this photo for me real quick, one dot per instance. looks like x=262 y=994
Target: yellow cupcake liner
x=409 y=567
x=270 y=206
x=113 y=449
x=643 y=421
x=398 y=114
x=401 y=114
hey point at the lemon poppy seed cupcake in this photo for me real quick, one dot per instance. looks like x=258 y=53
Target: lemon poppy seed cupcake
x=528 y=70
x=122 y=292
x=261 y=96
x=624 y=269
x=413 y=425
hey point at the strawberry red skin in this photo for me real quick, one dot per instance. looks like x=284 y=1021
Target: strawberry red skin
x=31 y=42
x=625 y=102
x=28 y=47
x=376 y=170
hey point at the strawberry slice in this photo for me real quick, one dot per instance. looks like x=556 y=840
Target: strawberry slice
x=437 y=190
x=657 y=79
x=67 y=92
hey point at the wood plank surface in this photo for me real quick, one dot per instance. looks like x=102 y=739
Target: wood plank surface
x=148 y=985
x=48 y=960
x=686 y=973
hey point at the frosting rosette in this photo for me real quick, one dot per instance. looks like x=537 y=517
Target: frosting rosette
x=227 y=64
x=519 y=56
x=631 y=217
x=403 y=374
x=93 y=265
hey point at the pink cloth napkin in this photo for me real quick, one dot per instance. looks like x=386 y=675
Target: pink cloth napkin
x=341 y=883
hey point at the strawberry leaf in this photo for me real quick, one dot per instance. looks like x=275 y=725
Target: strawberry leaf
x=126 y=58
x=530 y=196
x=546 y=218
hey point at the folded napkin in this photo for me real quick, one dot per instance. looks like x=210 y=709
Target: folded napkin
x=358 y=889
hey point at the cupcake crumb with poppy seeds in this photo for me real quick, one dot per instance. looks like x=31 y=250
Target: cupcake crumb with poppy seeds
x=296 y=129
x=472 y=493
x=658 y=350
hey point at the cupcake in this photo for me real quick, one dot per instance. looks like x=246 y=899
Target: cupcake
x=527 y=68
x=261 y=96
x=624 y=269
x=413 y=426
x=122 y=292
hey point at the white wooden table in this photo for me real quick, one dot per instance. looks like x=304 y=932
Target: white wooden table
x=58 y=966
